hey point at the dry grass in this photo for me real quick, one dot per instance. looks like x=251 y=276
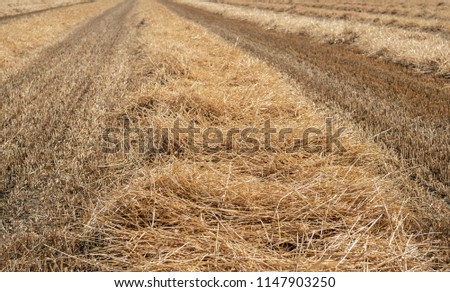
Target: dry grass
x=429 y=22
x=438 y=9
x=186 y=211
x=425 y=51
x=15 y=7
x=24 y=38
x=50 y=169
x=72 y=207
x=407 y=112
x=424 y=9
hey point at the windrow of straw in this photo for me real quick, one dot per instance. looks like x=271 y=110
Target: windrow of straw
x=434 y=19
x=427 y=52
x=428 y=9
x=225 y=210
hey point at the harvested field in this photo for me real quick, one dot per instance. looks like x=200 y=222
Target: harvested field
x=429 y=16
x=9 y=8
x=428 y=9
x=405 y=111
x=24 y=38
x=427 y=52
x=70 y=201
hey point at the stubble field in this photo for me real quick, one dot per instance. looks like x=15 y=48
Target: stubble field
x=11 y=8
x=68 y=203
